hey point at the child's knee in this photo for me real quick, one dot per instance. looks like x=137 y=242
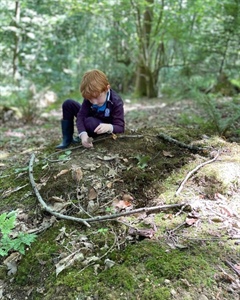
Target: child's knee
x=91 y=123
x=67 y=103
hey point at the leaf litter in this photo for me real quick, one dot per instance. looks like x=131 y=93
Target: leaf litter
x=99 y=186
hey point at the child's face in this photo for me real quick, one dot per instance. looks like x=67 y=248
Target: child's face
x=99 y=100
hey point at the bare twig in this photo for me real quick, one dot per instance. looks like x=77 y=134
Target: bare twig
x=135 y=211
x=99 y=139
x=232 y=266
x=44 y=205
x=9 y=192
x=193 y=171
x=181 y=144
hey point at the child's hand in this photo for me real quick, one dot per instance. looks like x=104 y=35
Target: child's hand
x=86 y=141
x=103 y=128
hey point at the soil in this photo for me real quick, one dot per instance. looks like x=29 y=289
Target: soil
x=149 y=214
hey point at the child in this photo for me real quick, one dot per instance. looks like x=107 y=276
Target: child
x=101 y=111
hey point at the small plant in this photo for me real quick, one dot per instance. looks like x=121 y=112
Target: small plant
x=109 y=210
x=103 y=231
x=142 y=161
x=8 y=243
x=220 y=114
x=65 y=156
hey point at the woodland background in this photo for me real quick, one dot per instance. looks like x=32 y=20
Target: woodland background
x=147 y=48
x=176 y=65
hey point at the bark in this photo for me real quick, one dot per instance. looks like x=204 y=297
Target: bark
x=16 y=39
x=151 y=55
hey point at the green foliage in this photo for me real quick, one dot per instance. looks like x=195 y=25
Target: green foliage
x=7 y=243
x=218 y=114
x=143 y=161
x=222 y=115
x=103 y=231
x=65 y=156
x=132 y=41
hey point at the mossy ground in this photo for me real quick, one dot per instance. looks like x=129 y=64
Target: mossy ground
x=178 y=262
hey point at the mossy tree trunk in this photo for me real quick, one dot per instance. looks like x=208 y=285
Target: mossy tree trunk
x=151 y=47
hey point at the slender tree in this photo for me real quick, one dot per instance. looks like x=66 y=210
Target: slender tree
x=17 y=39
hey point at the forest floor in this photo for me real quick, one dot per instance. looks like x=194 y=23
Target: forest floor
x=154 y=212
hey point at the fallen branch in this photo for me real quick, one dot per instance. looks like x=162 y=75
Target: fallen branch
x=181 y=144
x=233 y=267
x=99 y=139
x=86 y=222
x=193 y=171
x=42 y=202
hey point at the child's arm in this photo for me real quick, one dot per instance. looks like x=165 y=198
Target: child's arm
x=118 y=118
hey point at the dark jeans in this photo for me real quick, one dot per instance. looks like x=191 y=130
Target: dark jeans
x=70 y=109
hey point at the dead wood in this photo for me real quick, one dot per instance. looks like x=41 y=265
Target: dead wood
x=43 y=203
x=193 y=171
x=180 y=144
x=234 y=267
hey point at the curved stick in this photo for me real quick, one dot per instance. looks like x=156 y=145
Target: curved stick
x=43 y=203
x=193 y=171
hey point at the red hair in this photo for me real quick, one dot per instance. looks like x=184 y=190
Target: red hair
x=94 y=82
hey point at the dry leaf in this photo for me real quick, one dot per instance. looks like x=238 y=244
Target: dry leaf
x=92 y=194
x=77 y=174
x=237 y=267
x=121 y=204
x=114 y=136
x=68 y=261
x=15 y=134
x=167 y=154
x=56 y=199
x=61 y=173
x=218 y=196
x=91 y=167
x=146 y=233
x=127 y=197
x=217 y=219
x=226 y=211
x=107 y=158
x=108 y=263
x=92 y=206
x=59 y=206
x=11 y=262
x=191 y=221
x=109 y=185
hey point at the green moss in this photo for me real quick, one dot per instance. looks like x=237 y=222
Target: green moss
x=120 y=277
x=39 y=258
x=156 y=293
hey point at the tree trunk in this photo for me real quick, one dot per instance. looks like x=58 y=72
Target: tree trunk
x=147 y=68
x=16 y=39
x=145 y=83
